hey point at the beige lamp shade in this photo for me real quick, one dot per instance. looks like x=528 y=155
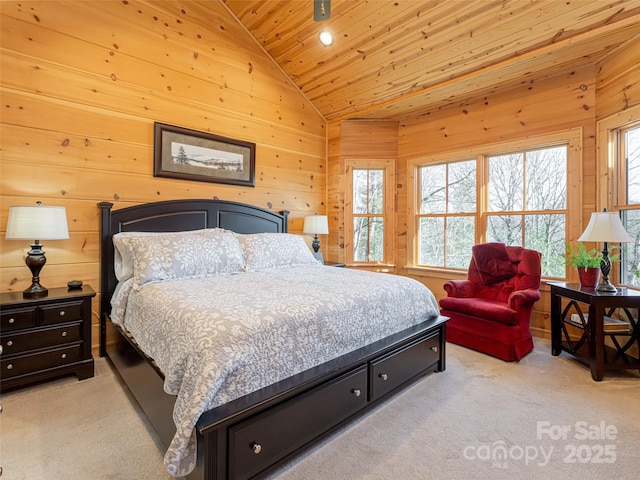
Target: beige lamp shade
x=37 y=222
x=316 y=225
x=605 y=227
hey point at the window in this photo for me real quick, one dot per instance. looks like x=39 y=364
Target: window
x=447 y=214
x=527 y=202
x=369 y=213
x=514 y=192
x=628 y=200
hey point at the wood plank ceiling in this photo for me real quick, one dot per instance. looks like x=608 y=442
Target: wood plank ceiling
x=392 y=59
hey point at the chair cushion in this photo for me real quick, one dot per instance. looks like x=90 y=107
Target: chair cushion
x=492 y=262
x=478 y=307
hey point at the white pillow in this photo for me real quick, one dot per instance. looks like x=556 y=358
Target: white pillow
x=122 y=262
x=171 y=257
x=275 y=250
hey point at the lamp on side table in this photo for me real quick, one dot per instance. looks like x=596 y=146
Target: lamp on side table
x=316 y=225
x=36 y=222
x=605 y=227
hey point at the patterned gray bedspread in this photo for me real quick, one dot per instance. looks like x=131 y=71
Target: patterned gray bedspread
x=219 y=338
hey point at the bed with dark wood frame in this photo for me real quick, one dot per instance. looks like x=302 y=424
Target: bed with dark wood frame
x=253 y=434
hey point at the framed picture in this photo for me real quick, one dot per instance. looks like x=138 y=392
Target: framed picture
x=191 y=155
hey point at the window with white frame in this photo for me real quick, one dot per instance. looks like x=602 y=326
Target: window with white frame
x=518 y=196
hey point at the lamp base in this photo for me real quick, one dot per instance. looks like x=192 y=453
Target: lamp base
x=605 y=266
x=35 y=291
x=35 y=261
x=316 y=243
x=606 y=287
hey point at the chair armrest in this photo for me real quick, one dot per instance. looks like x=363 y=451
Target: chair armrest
x=460 y=288
x=523 y=298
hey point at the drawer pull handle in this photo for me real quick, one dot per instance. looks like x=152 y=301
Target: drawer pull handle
x=9 y=343
x=256 y=447
x=10 y=366
x=383 y=376
x=62 y=313
x=12 y=320
x=64 y=334
x=0 y=349
x=434 y=348
x=356 y=392
x=64 y=355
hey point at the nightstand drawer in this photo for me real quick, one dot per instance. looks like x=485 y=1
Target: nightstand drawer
x=34 y=340
x=61 y=312
x=17 y=319
x=40 y=361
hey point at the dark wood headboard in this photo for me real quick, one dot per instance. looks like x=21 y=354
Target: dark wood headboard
x=174 y=216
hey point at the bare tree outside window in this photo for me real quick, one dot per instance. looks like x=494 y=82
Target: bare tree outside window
x=368 y=215
x=446 y=224
x=629 y=203
x=527 y=203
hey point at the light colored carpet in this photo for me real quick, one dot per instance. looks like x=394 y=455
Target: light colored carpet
x=442 y=427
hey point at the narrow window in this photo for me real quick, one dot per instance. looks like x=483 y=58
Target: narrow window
x=369 y=212
x=628 y=188
x=368 y=215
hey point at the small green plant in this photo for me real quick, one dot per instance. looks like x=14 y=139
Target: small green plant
x=580 y=257
x=635 y=269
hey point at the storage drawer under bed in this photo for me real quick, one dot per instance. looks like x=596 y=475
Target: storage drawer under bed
x=399 y=366
x=259 y=442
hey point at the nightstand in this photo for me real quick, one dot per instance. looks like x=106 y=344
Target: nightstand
x=45 y=337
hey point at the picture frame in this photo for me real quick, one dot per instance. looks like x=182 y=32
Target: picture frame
x=187 y=154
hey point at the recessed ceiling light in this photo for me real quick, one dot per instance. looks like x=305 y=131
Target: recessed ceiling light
x=325 y=38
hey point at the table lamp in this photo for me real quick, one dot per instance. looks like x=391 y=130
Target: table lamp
x=316 y=225
x=36 y=222
x=605 y=227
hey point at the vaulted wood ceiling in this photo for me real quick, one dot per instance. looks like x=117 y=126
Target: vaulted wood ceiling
x=391 y=59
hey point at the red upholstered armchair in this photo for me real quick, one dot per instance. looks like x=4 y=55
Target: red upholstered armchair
x=491 y=310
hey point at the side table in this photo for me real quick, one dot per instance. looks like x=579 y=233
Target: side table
x=591 y=347
x=45 y=337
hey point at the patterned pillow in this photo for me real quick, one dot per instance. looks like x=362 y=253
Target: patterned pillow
x=122 y=262
x=275 y=250
x=179 y=256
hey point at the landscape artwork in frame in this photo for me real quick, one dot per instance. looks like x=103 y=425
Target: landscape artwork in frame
x=192 y=155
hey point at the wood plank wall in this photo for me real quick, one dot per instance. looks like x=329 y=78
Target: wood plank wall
x=618 y=80
x=363 y=140
x=551 y=105
x=82 y=84
x=578 y=99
